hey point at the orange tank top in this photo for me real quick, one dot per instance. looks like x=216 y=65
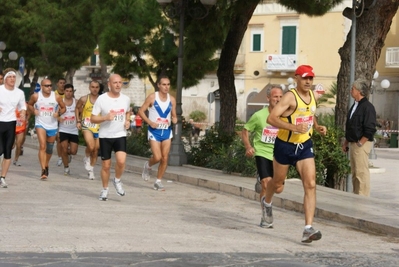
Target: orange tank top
x=21 y=123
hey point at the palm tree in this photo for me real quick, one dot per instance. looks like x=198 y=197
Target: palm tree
x=330 y=97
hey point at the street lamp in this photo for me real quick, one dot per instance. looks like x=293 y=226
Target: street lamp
x=2 y=48
x=291 y=83
x=174 y=9
x=11 y=56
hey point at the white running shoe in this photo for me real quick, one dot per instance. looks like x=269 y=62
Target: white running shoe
x=3 y=183
x=86 y=161
x=146 y=172
x=104 y=195
x=118 y=187
x=16 y=163
x=59 y=162
x=159 y=186
x=67 y=171
x=91 y=175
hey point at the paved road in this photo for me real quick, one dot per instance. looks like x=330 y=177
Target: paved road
x=61 y=222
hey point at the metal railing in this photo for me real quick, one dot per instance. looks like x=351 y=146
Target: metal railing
x=392 y=57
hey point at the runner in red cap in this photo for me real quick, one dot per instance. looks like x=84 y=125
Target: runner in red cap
x=294 y=115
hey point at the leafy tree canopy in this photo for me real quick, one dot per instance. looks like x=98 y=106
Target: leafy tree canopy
x=138 y=39
x=52 y=35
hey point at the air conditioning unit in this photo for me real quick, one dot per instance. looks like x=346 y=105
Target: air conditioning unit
x=280 y=62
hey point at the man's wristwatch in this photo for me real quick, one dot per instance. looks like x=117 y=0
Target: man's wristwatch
x=359 y=144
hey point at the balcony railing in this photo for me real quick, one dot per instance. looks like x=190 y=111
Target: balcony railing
x=280 y=62
x=239 y=65
x=392 y=57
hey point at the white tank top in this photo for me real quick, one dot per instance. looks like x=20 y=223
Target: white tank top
x=46 y=106
x=160 y=112
x=69 y=123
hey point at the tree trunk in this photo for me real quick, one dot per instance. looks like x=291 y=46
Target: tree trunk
x=69 y=75
x=372 y=27
x=104 y=75
x=228 y=98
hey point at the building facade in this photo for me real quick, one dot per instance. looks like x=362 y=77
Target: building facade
x=277 y=41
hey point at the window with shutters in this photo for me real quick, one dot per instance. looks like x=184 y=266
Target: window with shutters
x=256 y=40
x=288 y=44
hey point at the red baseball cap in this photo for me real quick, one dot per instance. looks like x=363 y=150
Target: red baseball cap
x=304 y=71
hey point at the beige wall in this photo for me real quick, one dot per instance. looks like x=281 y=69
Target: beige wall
x=318 y=42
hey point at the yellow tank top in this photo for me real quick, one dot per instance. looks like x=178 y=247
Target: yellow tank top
x=86 y=114
x=57 y=93
x=303 y=113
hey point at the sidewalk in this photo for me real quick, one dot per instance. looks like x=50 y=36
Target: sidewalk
x=378 y=213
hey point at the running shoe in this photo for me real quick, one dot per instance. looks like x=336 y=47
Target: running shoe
x=59 y=162
x=264 y=224
x=267 y=214
x=91 y=175
x=67 y=171
x=104 y=195
x=16 y=163
x=44 y=175
x=267 y=219
x=146 y=172
x=3 y=183
x=159 y=186
x=118 y=187
x=258 y=185
x=86 y=161
x=310 y=235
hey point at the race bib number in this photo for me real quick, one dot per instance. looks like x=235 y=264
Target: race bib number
x=305 y=119
x=120 y=114
x=269 y=135
x=20 y=122
x=46 y=111
x=162 y=123
x=69 y=120
x=87 y=123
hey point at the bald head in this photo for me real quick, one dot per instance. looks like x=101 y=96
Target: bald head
x=115 y=84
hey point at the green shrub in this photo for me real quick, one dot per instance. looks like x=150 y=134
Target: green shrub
x=226 y=153
x=137 y=143
x=332 y=166
x=197 y=116
x=239 y=125
x=186 y=127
